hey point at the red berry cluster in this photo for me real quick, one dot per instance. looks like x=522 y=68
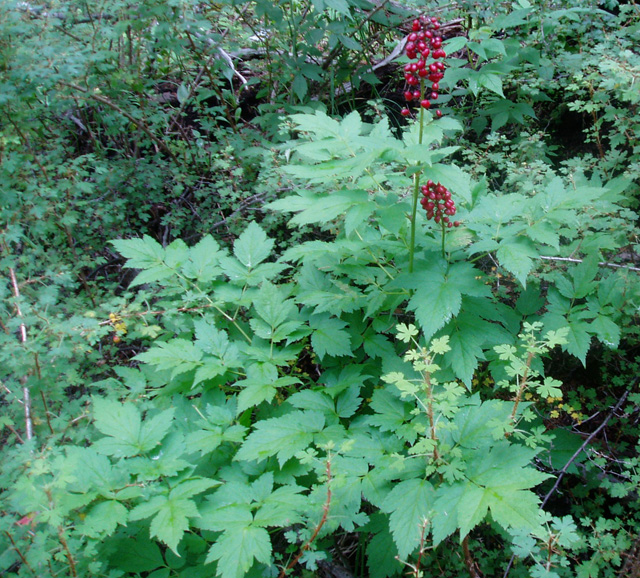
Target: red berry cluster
x=424 y=42
x=437 y=201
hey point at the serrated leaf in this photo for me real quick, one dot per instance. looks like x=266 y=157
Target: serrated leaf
x=409 y=504
x=435 y=302
x=281 y=507
x=172 y=521
x=329 y=336
x=578 y=340
x=252 y=246
x=103 y=519
x=190 y=488
x=180 y=355
x=281 y=436
x=153 y=430
x=584 y=275
x=327 y=208
x=516 y=256
x=606 y=330
x=122 y=423
x=146 y=254
x=203 y=262
x=236 y=551
x=381 y=556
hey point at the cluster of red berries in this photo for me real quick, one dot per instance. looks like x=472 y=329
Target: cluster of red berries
x=437 y=201
x=423 y=42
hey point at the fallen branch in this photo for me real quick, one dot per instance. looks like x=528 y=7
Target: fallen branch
x=26 y=394
x=602 y=264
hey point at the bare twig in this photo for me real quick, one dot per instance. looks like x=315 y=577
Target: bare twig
x=325 y=514
x=140 y=124
x=26 y=394
x=602 y=264
x=573 y=458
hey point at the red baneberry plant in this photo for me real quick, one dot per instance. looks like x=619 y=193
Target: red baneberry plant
x=423 y=76
x=424 y=44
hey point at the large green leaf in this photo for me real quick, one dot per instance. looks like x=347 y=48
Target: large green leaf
x=237 y=549
x=409 y=504
x=281 y=436
x=252 y=246
x=126 y=434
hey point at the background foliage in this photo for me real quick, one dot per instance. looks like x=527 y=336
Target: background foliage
x=218 y=357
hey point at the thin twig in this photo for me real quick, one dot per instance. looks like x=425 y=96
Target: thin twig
x=26 y=394
x=573 y=458
x=139 y=123
x=602 y=264
x=325 y=514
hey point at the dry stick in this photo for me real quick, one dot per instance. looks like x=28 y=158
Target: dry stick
x=26 y=396
x=573 y=458
x=325 y=513
x=603 y=264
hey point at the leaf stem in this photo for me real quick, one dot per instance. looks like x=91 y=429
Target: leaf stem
x=416 y=194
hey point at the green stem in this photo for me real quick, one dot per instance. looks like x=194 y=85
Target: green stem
x=416 y=194
x=444 y=232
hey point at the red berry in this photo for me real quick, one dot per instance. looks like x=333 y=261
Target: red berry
x=439 y=113
x=425 y=53
x=405 y=112
x=434 y=96
x=412 y=37
x=415 y=26
x=456 y=223
x=425 y=103
x=420 y=64
x=423 y=72
x=408 y=95
x=416 y=95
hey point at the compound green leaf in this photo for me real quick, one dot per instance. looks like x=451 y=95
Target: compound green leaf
x=252 y=246
x=329 y=336
x=121 y=423
x=578 y=339
x=435 y=302
x=236 y=551
x=409 y=504
x=203 y=264
x=516 y=256
x=103 y=519
x=281 y=436
x=180 y=355
x=172 y=521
